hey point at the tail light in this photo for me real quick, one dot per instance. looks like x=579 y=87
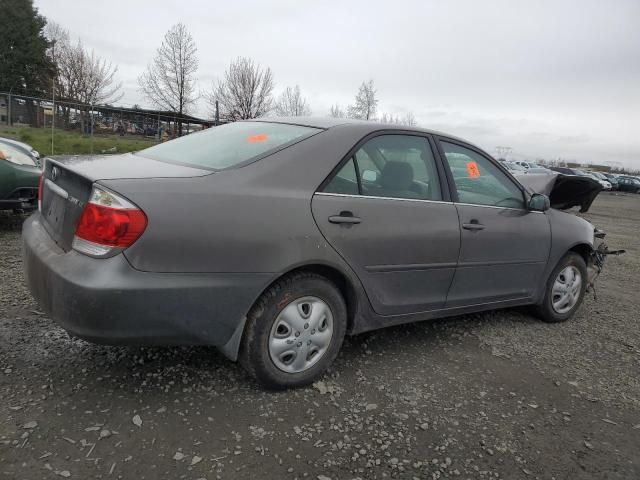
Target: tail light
x=108 y=225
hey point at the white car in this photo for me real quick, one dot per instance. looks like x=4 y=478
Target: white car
x=524 y=164
x=606 y=185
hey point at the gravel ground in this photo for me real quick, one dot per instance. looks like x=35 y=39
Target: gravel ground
x=497 y=395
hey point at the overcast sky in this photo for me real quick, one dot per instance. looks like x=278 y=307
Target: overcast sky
x=548 y=78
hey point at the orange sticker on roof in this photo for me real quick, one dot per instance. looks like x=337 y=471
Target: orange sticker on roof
x=261 y=137
x=473 y=170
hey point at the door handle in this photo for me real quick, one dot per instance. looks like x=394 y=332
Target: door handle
x=473 y=225
x=345 y=218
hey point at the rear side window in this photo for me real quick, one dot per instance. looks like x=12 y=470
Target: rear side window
x=345 y=181
x=391 y=166
x=229 y=145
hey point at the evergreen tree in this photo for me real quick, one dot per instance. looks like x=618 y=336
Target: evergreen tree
x=24 y=65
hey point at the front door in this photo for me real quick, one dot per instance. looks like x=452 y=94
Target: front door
x=383 y=211
x=505 y=246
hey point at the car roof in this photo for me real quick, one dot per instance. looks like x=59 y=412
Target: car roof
x=361 y=125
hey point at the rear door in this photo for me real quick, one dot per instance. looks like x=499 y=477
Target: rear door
x=387 y=212
x=505 y=246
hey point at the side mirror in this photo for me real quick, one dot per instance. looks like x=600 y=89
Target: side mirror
x=539 y=203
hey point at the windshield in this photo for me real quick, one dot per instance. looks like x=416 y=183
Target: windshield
x=15 y=156
x=229 y=145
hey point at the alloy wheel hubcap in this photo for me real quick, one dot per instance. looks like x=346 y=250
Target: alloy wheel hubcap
x=566 y=289
x=301 y=334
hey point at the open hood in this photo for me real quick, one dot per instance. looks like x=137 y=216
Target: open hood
x=564 y=191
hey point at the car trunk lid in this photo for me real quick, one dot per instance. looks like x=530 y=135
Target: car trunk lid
x=67 y=183
x=128 y=165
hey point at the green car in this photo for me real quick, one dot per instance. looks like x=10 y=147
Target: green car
x=19 y=177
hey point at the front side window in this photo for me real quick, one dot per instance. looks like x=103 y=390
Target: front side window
x=478 y=181
x=228 y=145
x=394 y=166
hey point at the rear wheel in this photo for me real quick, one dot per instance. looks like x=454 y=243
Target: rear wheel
x=294 y=332
x=565 y=289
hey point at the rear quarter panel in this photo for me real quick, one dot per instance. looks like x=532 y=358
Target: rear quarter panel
x=256 y=218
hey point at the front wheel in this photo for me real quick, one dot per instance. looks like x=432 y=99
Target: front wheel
x=294 y=332
x=565 y=289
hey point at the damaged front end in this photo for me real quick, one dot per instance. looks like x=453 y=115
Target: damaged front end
x=564 y=191
x=597 y=258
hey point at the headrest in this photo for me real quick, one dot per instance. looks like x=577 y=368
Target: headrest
x=396 y=176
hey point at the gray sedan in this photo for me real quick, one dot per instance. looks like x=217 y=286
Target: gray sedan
x=273 y=239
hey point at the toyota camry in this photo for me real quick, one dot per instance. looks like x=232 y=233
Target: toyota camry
x=272 y=239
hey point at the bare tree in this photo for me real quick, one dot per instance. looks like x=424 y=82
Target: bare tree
x=169 y=82
x=388 y=118
x=291 y=103
x=80 y=76
x=409 y=119
x=245 y=91
x=366 y=102
x=336 y=112
x=97 y=78
x=58 y=38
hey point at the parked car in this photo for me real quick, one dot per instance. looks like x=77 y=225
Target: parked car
x=605 y=183
x=525 y=165
x=23 y=147
x=19 y=176
x=564 y=170
x=514 y=168
x=272 y=239
x=613 y=180
x=540 y=170
x=629 y=184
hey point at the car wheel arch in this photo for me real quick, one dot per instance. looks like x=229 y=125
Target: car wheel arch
x=342 y=282
x=584 y=250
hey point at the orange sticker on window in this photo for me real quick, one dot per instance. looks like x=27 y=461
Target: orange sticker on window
x=473 y=170
x=261 y=137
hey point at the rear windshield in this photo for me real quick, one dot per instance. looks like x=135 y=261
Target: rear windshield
x=228 y=145
x=16 y=156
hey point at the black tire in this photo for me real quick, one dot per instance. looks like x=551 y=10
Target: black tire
x=254 y=350
x=545 y=310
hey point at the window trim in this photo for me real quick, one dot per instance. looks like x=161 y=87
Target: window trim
x=452 y=184
x=445 y=189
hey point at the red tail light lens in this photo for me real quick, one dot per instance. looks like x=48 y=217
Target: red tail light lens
x=108 y=224
x=111 y=226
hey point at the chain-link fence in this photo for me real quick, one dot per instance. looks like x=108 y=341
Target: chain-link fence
x=19 y=110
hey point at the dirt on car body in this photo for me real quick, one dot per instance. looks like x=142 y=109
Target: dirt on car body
x=493 y=395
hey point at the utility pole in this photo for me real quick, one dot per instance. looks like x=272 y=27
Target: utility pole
x=53 y=96
x=53 y=112
x=91 y=125
x=503 y=152
x=9 y=122
x=217 y=114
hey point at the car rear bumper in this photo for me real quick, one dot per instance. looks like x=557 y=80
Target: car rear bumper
x=24 y=204
x=108 y=301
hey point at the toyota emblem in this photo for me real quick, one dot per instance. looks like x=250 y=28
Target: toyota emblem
x=55 y=171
